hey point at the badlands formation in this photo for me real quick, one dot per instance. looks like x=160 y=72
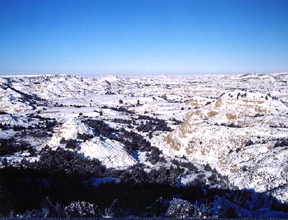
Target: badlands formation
x=227 y=134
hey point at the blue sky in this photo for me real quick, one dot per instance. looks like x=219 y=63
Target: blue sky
x=143 y=37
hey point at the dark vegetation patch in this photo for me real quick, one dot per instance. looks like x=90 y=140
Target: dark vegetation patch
x=249 y=142
x=54 y=187
x=121 y=121
x=61 y=160
x=41 y=131
x=231 y=125
x=176 y=122
x=152 y=124
x=59 y=175
x=281 y=143
x=147 y=123
x=71 y=144
x=259 y=141
x=281 y=125
x=122 y=109
x=84 y=136
x=188 y=165
x=10 y=146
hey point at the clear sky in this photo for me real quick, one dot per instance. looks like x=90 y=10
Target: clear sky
x=125 y=37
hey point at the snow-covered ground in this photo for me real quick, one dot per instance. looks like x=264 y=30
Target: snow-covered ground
x=238 y=124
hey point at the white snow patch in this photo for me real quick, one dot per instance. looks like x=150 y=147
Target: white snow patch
x=111 y=153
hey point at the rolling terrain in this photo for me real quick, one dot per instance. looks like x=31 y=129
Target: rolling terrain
x=170 y=146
